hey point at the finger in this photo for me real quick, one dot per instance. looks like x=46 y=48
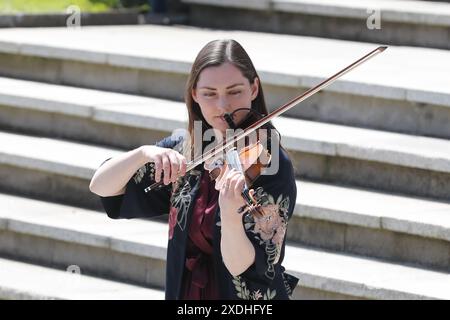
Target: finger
x=232 y=173
x=233 y=184
x=166 y=168
x=222 y=192
x=239 y=186
x=174 y=166
x=234 y=176
x=183 y=164
x=234 y=179
x=226 y=185
x=158 y=168
x=227 y=182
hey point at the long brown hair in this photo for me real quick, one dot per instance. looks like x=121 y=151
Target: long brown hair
x=215 y=53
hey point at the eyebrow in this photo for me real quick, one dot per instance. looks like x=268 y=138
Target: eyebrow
x=229 y=87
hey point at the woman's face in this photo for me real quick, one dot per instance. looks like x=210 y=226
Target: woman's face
x=223 y=89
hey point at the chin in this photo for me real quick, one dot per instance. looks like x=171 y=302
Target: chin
x=220 y=125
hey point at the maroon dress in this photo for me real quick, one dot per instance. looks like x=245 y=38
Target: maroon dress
x=199 y=278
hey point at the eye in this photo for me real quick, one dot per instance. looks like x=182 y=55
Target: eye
x=208 y=94
x=235 y=92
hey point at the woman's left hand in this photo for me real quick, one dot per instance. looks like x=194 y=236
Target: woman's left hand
x=230 y=198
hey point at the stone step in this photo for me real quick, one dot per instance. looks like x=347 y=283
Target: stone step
x=399 y=22
x=386 y=93
x=135 y=251
x=386 y=161
x=23 y=281
x=437 y=0
x=373 y=224
x=87 y=115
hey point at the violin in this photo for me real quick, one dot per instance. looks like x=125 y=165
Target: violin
x=251 y=159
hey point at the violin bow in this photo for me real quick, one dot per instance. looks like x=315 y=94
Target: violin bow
x=233 y=139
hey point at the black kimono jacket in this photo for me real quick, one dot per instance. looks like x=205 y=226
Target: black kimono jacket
x=266 y=277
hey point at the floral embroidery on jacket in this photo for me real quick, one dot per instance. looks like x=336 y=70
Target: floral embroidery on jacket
x=244 y=293
x=180 y=200
x=270 y=229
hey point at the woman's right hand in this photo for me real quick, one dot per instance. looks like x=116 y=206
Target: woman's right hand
x=167 y=161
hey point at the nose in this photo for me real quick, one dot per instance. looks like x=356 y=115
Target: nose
x=224 y=104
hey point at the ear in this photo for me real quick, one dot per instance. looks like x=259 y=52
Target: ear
x=194 y=95
x=255 y=88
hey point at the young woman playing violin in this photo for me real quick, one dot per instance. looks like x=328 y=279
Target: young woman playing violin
x=219 y=247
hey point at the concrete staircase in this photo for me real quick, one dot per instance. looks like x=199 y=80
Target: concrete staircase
x=399 y=22
x=372 y=159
